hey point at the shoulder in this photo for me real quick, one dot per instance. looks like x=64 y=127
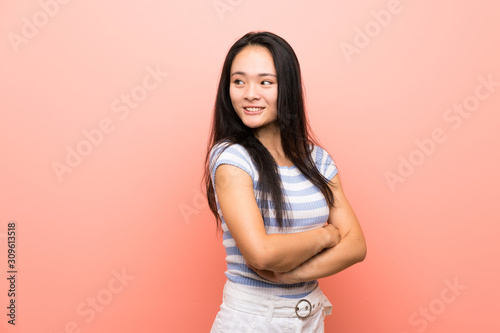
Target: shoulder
x=324 y=162
x=228 y=150
x=232 y=154
x=320 y=155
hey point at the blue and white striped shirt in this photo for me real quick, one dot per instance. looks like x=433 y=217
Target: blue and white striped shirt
x=308 y=209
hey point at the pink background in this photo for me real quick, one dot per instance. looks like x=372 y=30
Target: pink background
x=133 y=205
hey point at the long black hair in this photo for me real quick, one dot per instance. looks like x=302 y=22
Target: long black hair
x=296 y=137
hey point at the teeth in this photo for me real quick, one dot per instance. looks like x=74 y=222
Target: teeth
x=253 y=109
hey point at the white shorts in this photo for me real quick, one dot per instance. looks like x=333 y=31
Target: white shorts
x=243 y=312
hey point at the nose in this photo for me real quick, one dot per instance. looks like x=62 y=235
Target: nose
x=251 y=92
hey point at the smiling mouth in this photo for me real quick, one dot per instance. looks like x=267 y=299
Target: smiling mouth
x=253 y=110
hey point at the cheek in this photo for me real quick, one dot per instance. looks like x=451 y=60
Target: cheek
x=273 y=94
x=233 y=94
x=273 y=98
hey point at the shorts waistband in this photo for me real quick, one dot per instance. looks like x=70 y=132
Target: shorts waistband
x=274 y=306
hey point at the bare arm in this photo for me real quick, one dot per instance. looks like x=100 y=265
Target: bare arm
x=350 y=250
x=276 y=252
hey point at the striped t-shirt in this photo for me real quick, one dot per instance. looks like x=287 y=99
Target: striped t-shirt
x=308 y=209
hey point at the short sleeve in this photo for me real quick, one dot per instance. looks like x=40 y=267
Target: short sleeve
x=232 y=154
x=324 y=162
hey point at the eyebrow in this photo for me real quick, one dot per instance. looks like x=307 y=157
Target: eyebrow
x=261 y=74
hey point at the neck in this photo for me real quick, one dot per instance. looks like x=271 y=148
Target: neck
x=270 y=137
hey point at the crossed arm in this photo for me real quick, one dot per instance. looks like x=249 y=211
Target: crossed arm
x=295 y=257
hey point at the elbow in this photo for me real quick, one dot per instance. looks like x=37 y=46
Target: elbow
x=359 y=247
x=258 y=259
x=362 y=255
x=264 y=259
x=274 y=266
x=361 y=252
x=257 y=262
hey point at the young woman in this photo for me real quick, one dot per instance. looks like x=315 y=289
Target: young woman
x=276 y=195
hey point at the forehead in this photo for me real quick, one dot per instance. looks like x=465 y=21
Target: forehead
x=253 y=59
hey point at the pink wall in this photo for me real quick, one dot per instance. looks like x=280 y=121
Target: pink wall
x=113 y=234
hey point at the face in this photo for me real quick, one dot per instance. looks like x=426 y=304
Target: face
x=254 y=87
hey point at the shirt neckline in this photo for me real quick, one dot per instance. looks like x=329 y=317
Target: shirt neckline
x=286 y=167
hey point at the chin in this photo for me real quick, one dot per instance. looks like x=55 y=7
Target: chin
x=252 y=125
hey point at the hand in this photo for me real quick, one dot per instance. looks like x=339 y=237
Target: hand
x=276 y=277
x=334 y=235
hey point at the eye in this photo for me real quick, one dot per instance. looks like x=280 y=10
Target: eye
x=266 y=83
x=238 y=82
